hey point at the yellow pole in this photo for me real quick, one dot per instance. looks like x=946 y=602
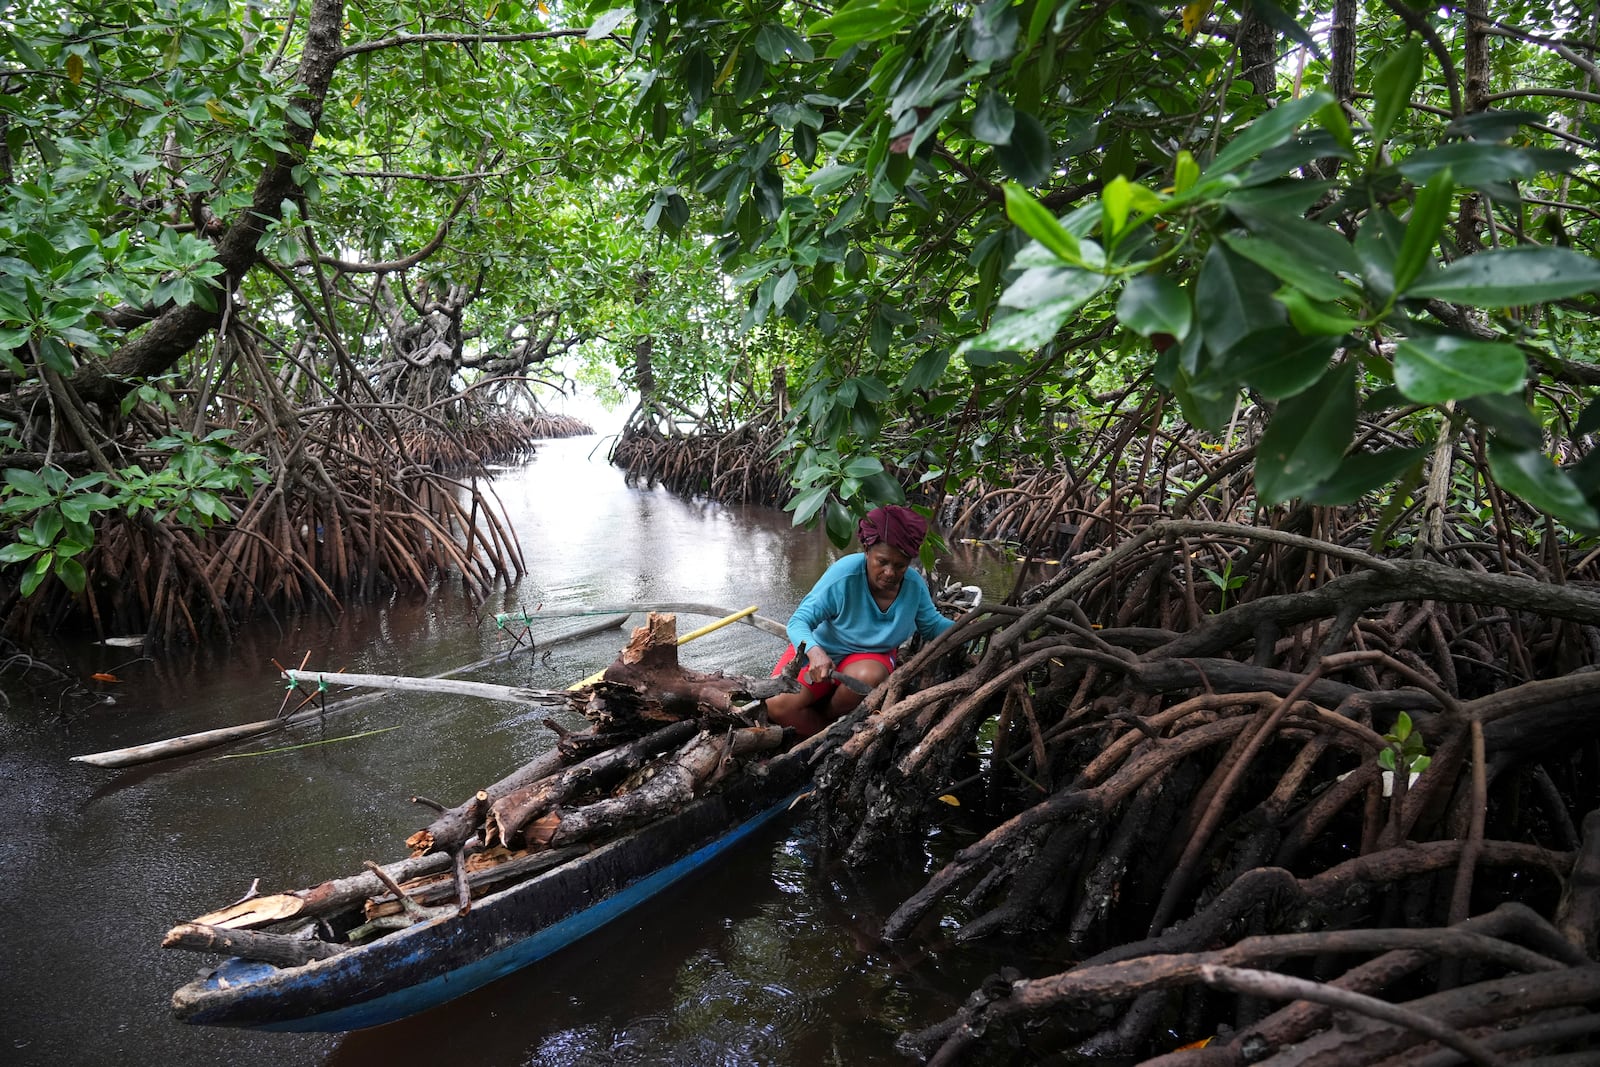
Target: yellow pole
x=719 y=624
x=685 y=639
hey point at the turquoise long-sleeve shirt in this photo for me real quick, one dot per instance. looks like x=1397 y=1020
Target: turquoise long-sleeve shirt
x=840 y=614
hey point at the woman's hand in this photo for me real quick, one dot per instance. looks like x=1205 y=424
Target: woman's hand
x=821 y=665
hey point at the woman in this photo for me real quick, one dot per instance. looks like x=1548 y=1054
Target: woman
x=860 y=611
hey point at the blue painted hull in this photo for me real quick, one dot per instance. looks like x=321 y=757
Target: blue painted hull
x=436 y=961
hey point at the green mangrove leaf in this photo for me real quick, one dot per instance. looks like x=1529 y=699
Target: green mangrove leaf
x=1268 y=131
x=1529 y=274
x=1207 y=408
x=1028 y=155
x=1152 y=304
x=992 y=122
x=1277 y=362
x=1508 y=416
x=861 y=20
x=808 y=503
x=1298 y=261
x=1233 y=297
x=606 y=22
x=1475 y=163
x=1184 y=172
x=1589 y=420
x=71 y=573
x=1035 y=220
x=1314 y=316
x=1534 y=477
x=1031 y=328
x=1378 y=248
x=1363 y=472
x=1307 y=438
x=1038 y=286
x=1391 y=86
x=1434 y=368
x=840 y=523
x=1432 y=208
x=830 y=178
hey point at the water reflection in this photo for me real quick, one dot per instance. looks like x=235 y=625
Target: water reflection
x=761 y=960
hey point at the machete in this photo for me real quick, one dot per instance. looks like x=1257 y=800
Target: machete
x=855 y=685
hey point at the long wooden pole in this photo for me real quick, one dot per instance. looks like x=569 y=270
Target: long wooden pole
x=749 y=618
x=511 y=694
x=198 y=742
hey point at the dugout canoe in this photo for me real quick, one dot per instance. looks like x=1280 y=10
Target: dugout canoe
x=434 y=961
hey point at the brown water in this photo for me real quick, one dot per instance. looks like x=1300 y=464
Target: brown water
x=768 y=957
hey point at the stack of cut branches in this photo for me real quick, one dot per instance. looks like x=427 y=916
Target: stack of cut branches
x=1354 y=786
x=659 y=736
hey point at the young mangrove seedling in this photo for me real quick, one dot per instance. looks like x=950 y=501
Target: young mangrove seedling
x=1227 y=581
x=1404 y=752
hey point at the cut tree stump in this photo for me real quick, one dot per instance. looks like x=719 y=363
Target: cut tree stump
x=647 y=683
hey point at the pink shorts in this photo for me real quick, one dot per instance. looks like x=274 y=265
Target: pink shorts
x=824 y=689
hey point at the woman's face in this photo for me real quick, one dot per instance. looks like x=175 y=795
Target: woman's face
x=886 y=568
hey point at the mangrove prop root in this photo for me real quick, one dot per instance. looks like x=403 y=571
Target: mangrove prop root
x=1286 y=707
x=362 y=496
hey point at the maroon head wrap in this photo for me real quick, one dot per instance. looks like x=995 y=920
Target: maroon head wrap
x=898 y=527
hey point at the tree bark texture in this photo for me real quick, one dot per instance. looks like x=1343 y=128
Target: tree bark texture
x=177 y=330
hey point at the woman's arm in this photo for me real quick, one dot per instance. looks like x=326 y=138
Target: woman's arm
x=930 y=621
x=823 y=602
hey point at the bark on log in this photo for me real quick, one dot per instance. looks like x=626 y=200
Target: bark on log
x=575 y=748
x=672 y=785
x=1507 y=923
x=277 y=949
x=327 y=898
x=644 y=687
x=337 y=893
x=1285 y=987
x=1392 y=582
x=509 y=815
x=481 y=881
x=1360 y=1039
x=647 y=680
x=451 y=830
x=1128 y=977
x=1230 y=676
x=1578 y=916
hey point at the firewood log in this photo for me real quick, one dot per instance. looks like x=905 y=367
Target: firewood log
x=511 y=813
x=441 y=889
x=674 y=783
x=328 y=898
x=279 y=949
